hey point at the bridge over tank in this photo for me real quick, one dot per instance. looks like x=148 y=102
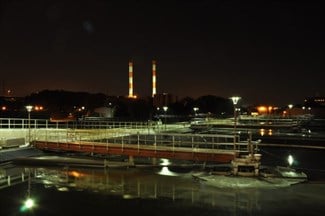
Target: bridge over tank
x=134 y=139
x=194 y=147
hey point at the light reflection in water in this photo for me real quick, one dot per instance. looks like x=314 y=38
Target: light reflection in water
x=165 y=162
x=263 y=132
x=165 y=170
x=146 y=184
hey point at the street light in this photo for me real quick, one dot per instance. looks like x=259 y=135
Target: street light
x=235 y=100
x=195 y=109
x=29 y=109
x=165 y=108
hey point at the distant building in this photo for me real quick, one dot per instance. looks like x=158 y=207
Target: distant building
x=164 y=99
x=314 y=106
x=315 y=101
x=10 y=104
x=106 y=112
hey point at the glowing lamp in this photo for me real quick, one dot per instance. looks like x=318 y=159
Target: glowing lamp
x=290 y=160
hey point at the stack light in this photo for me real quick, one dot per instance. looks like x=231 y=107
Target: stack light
x=131 y=79
x=154 y=90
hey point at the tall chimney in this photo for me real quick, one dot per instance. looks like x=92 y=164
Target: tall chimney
x=130 y=80
x=154 y=89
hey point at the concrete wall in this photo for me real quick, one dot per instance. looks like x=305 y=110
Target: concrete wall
x=13 y=137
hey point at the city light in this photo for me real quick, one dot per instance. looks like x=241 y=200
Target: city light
x=290 y=160
x=195 y=109
x=235 y=99
x=38 y=108
x=29 y=203
x=165 y=108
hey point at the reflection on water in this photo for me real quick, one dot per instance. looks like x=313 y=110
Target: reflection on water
x=263 y=132
x=73 y=191
x=167 y=172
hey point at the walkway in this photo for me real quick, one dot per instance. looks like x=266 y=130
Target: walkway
x=196 y=147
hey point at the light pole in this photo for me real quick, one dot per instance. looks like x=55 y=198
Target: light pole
x=165 y=109
x=29 y=109
x=195 y=109
x=235 y=100
x=290 y=106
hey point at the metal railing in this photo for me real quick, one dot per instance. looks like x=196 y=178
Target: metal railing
x=123 y=133
x=21 y=123
x=140 y=137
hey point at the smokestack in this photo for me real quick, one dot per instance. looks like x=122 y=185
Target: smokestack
x=131 y=80
x=154 y=89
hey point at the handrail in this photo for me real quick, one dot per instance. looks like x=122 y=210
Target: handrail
x=138 y=137
x=22 y=123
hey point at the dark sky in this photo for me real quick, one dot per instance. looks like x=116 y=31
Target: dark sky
x=270 y=52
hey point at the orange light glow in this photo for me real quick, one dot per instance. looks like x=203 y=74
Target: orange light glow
x=262 y=109
x=38 y=108
x=75 y=174
x=132 y=97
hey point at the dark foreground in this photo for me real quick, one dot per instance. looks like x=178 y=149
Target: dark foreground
x=150 y=191
x=60 y=188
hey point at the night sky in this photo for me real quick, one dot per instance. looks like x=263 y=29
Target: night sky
x=270 y=52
